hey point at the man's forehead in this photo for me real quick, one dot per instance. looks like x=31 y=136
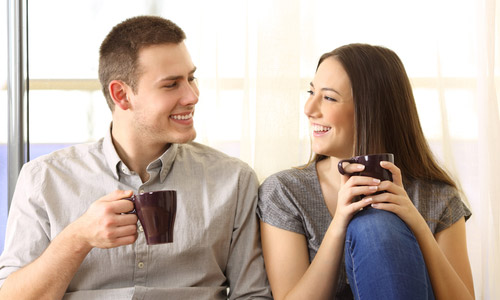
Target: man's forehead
x=167 y=59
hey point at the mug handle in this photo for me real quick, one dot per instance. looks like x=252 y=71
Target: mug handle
x=133 y=201
x=341 y=167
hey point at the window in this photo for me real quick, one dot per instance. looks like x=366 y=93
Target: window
x=3 y=125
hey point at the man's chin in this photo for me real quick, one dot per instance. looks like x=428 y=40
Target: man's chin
x=186 y=138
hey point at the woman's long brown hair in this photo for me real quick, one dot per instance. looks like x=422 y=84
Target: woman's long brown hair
x=385 y=113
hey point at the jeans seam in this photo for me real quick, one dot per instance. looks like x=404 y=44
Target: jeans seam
x=353 y=273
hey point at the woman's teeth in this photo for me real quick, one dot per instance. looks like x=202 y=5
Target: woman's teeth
x=321 y=128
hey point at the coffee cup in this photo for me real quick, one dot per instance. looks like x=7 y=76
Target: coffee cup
x=372 y=165
x=156 y=212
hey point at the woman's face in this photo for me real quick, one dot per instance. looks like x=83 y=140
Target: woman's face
x=330 y=110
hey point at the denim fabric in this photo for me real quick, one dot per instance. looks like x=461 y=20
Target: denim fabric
x=383 y=259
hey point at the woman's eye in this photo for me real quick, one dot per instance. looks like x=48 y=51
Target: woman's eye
x=330 y=99
x=310 y=93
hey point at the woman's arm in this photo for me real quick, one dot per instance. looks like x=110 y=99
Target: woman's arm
x=447 y=261
x=286 y=258
x=445 y=254
x=286 y=253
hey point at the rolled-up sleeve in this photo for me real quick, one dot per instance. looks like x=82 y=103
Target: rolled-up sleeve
x=27 y=225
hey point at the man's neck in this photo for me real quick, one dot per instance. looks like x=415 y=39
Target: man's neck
x=136 y=154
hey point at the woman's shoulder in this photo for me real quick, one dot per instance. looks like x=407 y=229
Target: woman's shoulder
x=292 y=177
x=441 y=204
x=432 y=189
x=285 y=196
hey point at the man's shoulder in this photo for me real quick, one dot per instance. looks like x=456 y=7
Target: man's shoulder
x=220 y=167
x=68 y=154
x=208 y=155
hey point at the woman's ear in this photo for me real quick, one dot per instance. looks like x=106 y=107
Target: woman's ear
x=118 y=92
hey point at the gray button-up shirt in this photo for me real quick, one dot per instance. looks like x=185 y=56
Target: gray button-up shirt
x=216 y=239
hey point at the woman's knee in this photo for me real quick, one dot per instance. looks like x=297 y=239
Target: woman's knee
x=373 y=227
x=382 y=257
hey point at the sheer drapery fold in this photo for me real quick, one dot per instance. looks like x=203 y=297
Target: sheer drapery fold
x=451 y=53
x=255 y=59
x=487 y=208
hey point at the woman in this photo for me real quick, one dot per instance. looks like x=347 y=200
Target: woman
x=407 y=242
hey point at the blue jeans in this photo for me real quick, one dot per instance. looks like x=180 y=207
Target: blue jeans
x=383 y=259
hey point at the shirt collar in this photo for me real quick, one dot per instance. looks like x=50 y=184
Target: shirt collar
x=167 y=160
x=113 y=160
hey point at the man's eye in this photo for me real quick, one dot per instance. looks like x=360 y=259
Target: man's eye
x=170 y=85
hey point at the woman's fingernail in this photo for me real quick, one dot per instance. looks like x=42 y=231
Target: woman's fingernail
x=374 y=205
x=360 y=167
x=373 y=188
x=376 y=180
x=368 y=200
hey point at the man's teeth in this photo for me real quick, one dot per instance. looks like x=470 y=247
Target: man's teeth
x=321 y=128
x=182 y=117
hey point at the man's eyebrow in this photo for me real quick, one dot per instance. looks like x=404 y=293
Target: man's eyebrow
x=176 y=77
x=326 y=89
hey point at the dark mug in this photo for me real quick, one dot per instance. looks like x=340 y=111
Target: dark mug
x=372 y=165
x=156 y=212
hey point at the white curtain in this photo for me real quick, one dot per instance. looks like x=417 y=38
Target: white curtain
x=484 y=229
x=257 y=58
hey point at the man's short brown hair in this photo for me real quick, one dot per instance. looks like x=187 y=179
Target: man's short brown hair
x=119 y=50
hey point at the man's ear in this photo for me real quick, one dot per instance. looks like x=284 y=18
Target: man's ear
x=118 y=92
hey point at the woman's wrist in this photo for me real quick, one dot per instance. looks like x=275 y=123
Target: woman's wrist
x=337 y=228
x=420 y=227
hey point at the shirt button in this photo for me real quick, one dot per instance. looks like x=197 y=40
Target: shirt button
x=140 y=228
x=140 y=265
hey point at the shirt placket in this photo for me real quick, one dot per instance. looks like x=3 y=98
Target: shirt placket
x=141 y=252
x=140 y=246
x=141 y=259
x=141 y=255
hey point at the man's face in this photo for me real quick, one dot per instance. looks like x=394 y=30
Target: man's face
x=163 y=105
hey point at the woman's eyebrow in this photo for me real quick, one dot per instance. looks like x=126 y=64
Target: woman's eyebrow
x=327 y=89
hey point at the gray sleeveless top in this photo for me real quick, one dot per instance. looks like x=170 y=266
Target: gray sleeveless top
x=292 y=200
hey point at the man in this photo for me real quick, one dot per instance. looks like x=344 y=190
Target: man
x=62 y=243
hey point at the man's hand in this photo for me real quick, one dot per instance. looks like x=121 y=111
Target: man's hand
x=107 y=224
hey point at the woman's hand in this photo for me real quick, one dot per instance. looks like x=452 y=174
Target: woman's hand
x=395 y=199
x=445 y=254
x=352 y=187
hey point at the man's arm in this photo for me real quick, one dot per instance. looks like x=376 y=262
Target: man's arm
x=245 y=269
x=102 y=226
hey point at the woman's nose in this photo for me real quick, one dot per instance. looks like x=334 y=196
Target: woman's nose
x=311 y=108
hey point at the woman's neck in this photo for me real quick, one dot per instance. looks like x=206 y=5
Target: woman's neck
x=329 y=180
